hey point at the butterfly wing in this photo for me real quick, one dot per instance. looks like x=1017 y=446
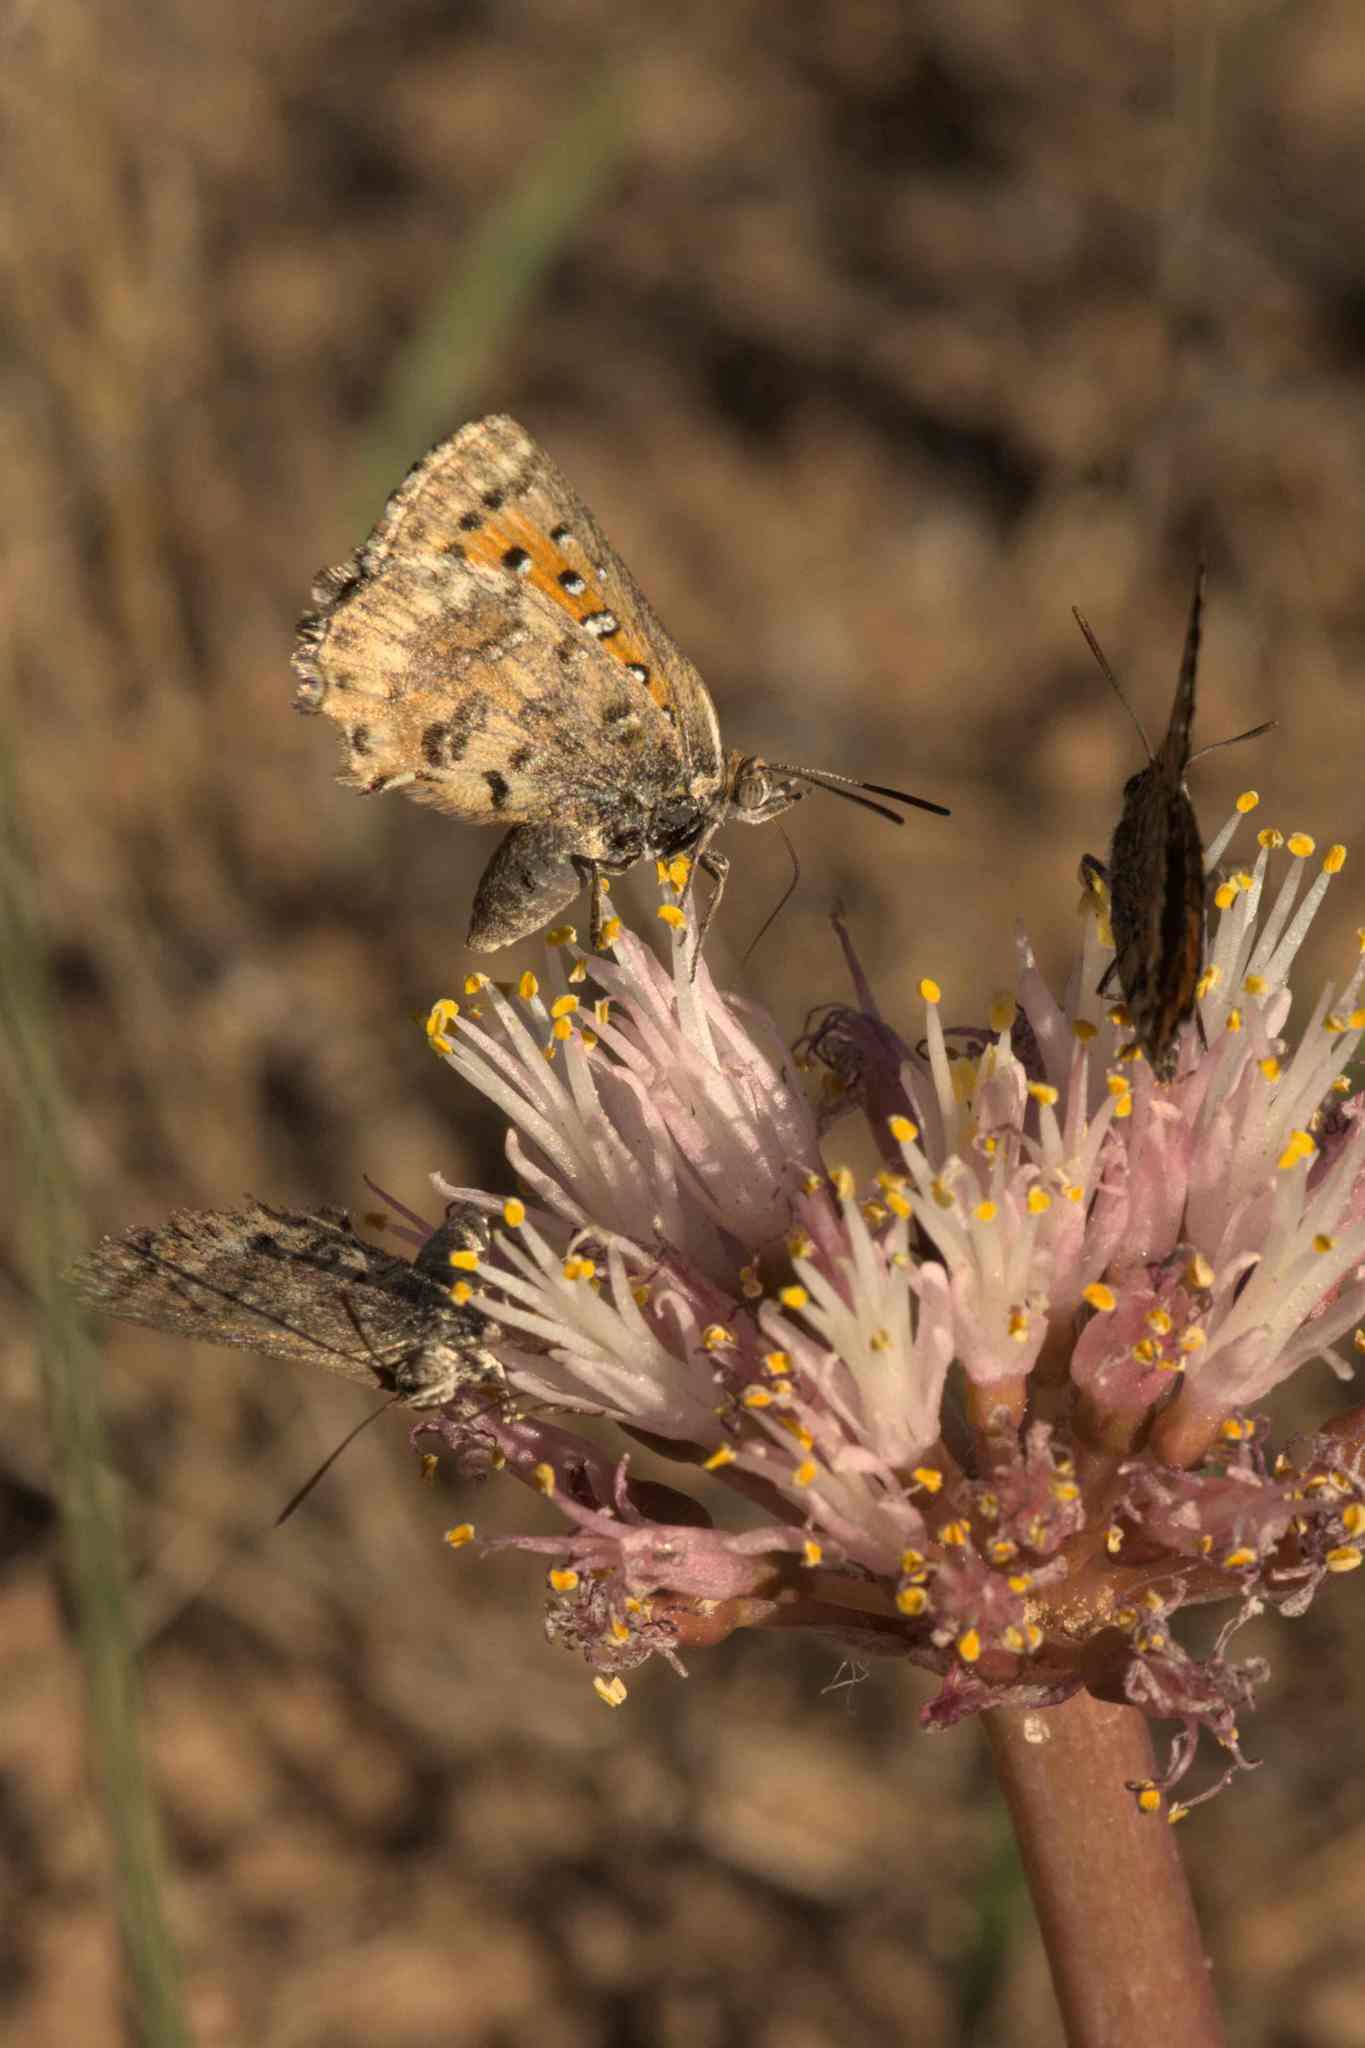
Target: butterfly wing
x=487 y=649
x=1175 y=748
x=293 y=1285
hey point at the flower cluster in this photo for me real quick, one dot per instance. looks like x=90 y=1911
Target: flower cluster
x=991 y=1408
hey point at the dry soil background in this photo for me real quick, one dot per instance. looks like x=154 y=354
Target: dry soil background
x=890 y=333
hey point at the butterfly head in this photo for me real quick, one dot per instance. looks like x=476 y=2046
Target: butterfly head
x=756 y=791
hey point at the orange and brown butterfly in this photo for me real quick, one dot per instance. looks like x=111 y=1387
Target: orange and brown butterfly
x=487 y=651
x=1156 y=868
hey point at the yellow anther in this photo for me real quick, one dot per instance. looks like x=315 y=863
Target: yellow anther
x=564 y=1581
x=912 y=1600
x=1159 y=1319
x=670 y=915
x=1345 y=1558
x=1299 y=1148
x=986 y=1212
x=514 y=1212
x=812 y=1553
x=544 y=1479
x=715 y=1336
x=1101 y=1297
x=1334 y=860
x=611 y=931
x=969 y=1646
x=1270 y=1068
x=793 y=1297
x=1113 y=1539
x=1225 y=895
x=1038 y=1201
x=1018 y=1325
x=1043 y=1091
x=928 y=1477
x=800 y=1244
x=750 y=1286
x=461 y=1292
x=580 y=1269
x=1118 y=1084
x=1237 y=1560
x=842 y=1181
x=560 y=935
x=930 y=990
x=1301 y=844
x=1084 y=1030
x=805 y=1473
x=1255 y=985
x=562 y=1029
x=1248 y=801
x=465 y=1261
x=563 y=1006
x=611 y=1691
x=1324 y=1243
x=528 y=988
x=462 y=1533
x=475 y=984
x=955 y=1534
x=1194 y=1340
x=578 y=972
x=678 y=870
x=757 y=1397
x=1004 y=1010
x=724 y=1456
x=777 y=1362
x=905 y=1133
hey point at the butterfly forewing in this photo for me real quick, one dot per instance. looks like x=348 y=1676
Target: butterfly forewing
x=294 y=1285
x=1156 y=879
x=488 y=650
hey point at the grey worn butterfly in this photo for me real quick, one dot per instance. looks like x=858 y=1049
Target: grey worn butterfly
x=488 y=651
x=303 y=1285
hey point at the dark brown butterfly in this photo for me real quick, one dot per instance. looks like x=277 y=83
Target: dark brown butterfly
x=1156 y=868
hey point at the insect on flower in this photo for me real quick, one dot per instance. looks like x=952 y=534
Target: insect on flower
x=488 y=651
x=304 y=1286
x=1156 y=867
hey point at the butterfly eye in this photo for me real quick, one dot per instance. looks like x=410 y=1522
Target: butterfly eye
x=753 y=787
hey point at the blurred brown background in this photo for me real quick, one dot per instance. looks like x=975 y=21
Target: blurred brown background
x=877 y=336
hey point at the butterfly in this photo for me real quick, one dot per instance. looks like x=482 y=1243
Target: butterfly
x=1156 y=867
x=487 y=651
x=302 y=1285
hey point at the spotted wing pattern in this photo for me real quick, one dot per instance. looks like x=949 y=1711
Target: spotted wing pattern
x=294 y=1285
x=487 y=650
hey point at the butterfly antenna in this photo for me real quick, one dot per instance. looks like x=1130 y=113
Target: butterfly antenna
x=848 y=786
x=1093 y=644
x=1253 y=733
x=783 y=900
x=325 y=1467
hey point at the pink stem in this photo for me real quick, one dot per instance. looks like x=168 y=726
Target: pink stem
x=1127 y=1959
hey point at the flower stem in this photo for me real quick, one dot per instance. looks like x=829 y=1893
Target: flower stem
x=1127 y=1959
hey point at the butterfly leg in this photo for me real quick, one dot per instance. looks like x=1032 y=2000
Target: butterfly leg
x=599 y=908
x=716 y=867
x=533 y=874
